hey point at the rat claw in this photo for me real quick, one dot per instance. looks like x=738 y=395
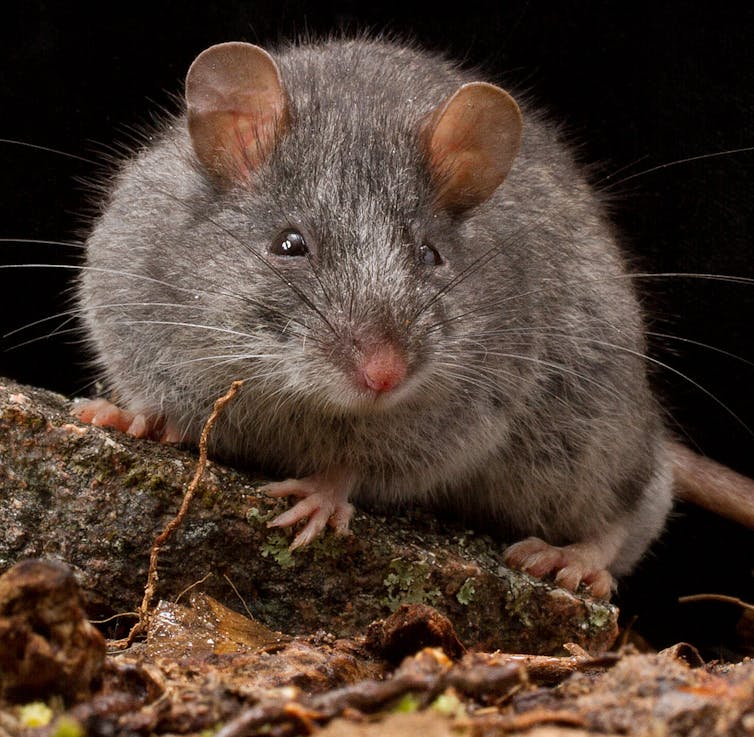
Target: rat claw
x=323 y=501
x=279 y=489
x=601 y=583
x=302 y=510
x=313 y=528
x=139 y=427
x=571 y=565
x=341 y=519
x=569 y=577
x=103 y=413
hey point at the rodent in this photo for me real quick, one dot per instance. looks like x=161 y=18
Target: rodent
x=423 y=294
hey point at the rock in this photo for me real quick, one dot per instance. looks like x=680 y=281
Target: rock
x=97 y=498
x=47 y=646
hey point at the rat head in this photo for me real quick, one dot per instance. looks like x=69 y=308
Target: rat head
x=353 y=195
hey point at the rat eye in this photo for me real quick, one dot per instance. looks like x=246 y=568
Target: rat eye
x=289 y=243
x=428 y=255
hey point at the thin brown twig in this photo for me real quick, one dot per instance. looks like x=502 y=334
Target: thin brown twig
x=525 y=721
x=716 y=597
x=191 y=586
x=174 y=523
x=238 y=594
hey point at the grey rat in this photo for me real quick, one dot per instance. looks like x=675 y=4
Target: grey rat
x=422 y=293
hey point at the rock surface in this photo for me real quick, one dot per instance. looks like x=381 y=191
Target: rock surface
x=96 y=499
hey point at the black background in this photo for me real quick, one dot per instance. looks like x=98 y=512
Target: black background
x=639 y=85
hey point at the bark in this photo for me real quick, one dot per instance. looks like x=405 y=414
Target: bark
x=96 y=499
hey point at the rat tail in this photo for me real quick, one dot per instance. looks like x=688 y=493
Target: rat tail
x=711 y=485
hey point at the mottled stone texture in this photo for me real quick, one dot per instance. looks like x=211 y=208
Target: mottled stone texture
x=96 y=499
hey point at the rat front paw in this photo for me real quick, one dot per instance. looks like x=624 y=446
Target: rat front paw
x=324 y=500
x=103 y=413
x=571 y=565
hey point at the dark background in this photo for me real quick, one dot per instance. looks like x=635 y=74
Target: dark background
x=639 y=85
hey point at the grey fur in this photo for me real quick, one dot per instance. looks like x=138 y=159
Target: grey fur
x=527 y=405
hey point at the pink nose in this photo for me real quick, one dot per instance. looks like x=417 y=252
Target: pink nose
x=382 y=368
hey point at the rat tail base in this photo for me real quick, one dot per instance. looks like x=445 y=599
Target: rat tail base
x=711 y=485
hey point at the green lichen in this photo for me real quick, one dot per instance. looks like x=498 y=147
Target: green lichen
x=467 y=592
x=328 y=546
x=600 y=616
x=146 y=479
x=409 y=582
x=518 y=600
x=276 y=547
x=255 y=515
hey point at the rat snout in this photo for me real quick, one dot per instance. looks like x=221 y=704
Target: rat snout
x=380 y=367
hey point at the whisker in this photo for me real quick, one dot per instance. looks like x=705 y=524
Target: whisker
x=47 y=336
x=78 y=311
x=264 y=261
x=669 y=164
x=47 y=149
x=227 y=358
x=496 y=301
x=142 y=277
x=554 y=365
x=707 y=346
x=176 y=323
x=43 y=242
x=642 y=356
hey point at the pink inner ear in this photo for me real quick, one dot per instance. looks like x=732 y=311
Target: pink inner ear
x=472 y=141
x=236 y=108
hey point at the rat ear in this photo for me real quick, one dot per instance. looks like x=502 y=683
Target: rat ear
x=236 y=108
x=471 y=141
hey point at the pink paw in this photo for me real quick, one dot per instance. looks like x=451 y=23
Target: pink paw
x=323 y=501
x=102 y=413
x=571 y=564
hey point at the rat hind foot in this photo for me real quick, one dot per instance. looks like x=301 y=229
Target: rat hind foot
x=571 y=564
x=324 y=501
x=103 y=413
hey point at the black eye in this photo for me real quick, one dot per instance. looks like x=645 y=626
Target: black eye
x=289 y=243
x=428 y=255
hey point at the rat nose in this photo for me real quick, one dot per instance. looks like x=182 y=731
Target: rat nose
x=381 y=367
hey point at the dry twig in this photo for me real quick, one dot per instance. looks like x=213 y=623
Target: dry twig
x=174 y=523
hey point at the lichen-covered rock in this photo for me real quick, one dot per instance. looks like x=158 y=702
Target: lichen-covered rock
x=97 y=498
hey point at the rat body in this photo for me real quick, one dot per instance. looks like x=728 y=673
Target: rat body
x=422 y=293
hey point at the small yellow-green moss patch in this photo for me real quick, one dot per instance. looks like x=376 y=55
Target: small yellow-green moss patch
x=449 y=704
x=35 y=714
x=67 y=727
x=408 y=703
